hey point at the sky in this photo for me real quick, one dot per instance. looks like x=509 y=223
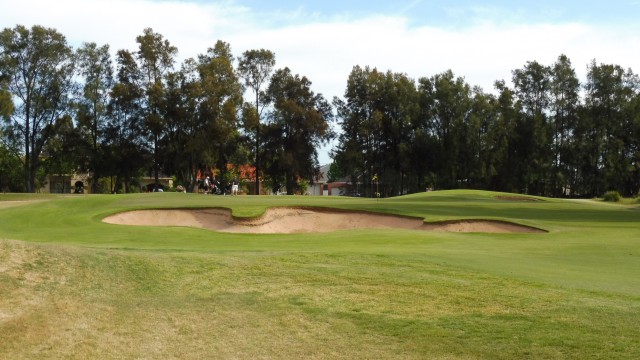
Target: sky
x=482 y=41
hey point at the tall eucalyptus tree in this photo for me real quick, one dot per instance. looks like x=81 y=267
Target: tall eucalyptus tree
x=531 y=87
x=450 y=107
x=564 y=109
x=606 y=128
x=125 y=150
x=298 y=125
x=38 y=66
x=6 y=103
x=255 y=67
x=156 y=57
x=96 y=69
x=221 y=104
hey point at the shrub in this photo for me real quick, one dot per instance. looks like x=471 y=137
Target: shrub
x=612 y=196
x=303 y=186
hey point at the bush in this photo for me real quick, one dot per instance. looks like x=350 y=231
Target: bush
x=303 y=186
x=611 y=196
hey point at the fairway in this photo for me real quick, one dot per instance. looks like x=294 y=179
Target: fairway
x=73 y=286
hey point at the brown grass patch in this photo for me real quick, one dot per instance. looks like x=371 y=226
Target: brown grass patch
x=13 y=203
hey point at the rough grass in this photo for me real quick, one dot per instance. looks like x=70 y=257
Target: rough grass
x=72 y=287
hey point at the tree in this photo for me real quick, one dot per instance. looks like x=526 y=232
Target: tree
x=39 y=66
x=633 y=109
x=6 y=103
x=565 y=105
x=502 y=139
x=202 y=103
x=335 y=172
x=475 y=159
x=255 y=67
x=360 y=116
x=450 y=105
x=94 y=64
x=156 y=57
x=531 y=87
x=399 y=108
x=11 y=178
x=607 y=128
x=179 y=112
x=62 y=150
x=297 y=125
x=125 y=153
x=222 y=101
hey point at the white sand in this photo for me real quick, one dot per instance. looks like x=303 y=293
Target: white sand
x=297 y=220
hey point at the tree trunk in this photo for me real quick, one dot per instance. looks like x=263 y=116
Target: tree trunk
x=155 y=163
x=27 y=147
x=258 y=158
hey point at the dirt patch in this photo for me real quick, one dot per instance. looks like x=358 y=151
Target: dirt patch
x=296 y=220
x=12 y=203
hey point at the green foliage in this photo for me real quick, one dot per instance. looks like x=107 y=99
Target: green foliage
x=299 y=125
x=95 y=66
x=103 y=185
x=538 y=136
x=38 y=66
x=229 y=175
x=612 y=196
x=255 y=68
x=303 y=186
x=11 y=177
x=335 y=172
x=6 y=103
x=63 y=149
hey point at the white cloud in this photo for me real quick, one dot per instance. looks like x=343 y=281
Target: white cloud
x=325 y=49
x=326 y=52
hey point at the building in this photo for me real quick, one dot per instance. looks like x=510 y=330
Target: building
x=322 y=187
x=67 y=184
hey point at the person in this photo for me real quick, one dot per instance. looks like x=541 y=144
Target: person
x=234 y=186
x=207 y=185
x=215 y=186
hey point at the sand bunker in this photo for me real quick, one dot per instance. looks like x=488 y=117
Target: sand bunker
x=298 y=220
x=486 y=226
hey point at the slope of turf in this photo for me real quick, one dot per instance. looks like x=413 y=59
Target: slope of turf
x=74 y=287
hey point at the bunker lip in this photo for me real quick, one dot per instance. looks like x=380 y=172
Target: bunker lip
x=288 y=220
x=481 y=225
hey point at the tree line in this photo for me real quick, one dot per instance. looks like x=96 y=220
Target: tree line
x=548 y=134
x=69 y=110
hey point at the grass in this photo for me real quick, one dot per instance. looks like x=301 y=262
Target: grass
x=73 y=287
